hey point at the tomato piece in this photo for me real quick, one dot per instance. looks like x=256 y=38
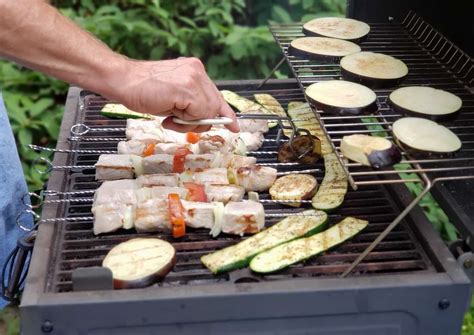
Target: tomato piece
x=179 y=159
x=149 y=150
x=196 y=192
x=192 y=137
x=176 y=213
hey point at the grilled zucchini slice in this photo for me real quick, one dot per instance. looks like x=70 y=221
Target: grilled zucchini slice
x=333 y=188
x=301 y=249
x=246 y=106
x=240 y=254
x=118 y=111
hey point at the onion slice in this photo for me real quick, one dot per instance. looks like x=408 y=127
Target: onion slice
x=370 y=150
x=322 y=48
x=424 y=101
x=337 y=27
x=425 y=135
x=373 y=69
x=140 y=262
x=342 y=97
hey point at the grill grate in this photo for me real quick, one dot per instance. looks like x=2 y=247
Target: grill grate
x=78 y=247
x=432 y=61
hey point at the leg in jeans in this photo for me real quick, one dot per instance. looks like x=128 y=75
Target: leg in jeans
x=12 y=188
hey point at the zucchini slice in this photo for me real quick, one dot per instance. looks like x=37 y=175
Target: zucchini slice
x=272 y=104
x=337 y=27
x=425 y=102
x=118 y=111
x=370 y=150
x=240 y=254
x=333 y=188
x=246 y=106
x=322 y=48
x=304 y=118
x=373 y=69
x=294 y=187
x=342 y=97
x=426 y=136
x=301 y=249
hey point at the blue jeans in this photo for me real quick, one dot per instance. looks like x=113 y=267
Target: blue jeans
x=12 y=188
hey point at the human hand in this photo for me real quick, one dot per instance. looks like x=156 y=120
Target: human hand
x=178 y=87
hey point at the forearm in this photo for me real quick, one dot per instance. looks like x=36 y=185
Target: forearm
x=35 y=34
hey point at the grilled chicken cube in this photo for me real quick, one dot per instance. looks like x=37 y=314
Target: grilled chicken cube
x=253 y=125
x=195 y=162
x=166 y=179
x=144 y=137
x=253 y=141
x=170 y=148
x=113 y=216
x=152 y=215
x=133 y=147
x=116 y=191
x=160 y=163
x=162 y=192
x=237 y=161
x=256 y=178
x=145 y=125
x=145 y=131
x=112 y=167
x=211 y=176
x=198 y=214
x=213 y=143
x=243 y=218
x=224 y=193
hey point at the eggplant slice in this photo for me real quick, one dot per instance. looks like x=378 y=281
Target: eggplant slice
x=140 y=262
x=425 y=136
x=425 y=102
x=294 y=187
x=337 y=27
x=304 y=149
x=373 y=69
x=370 y=150
x=322 y=48
x=342 y=97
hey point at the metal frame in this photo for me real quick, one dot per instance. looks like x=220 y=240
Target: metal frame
x=431 y=54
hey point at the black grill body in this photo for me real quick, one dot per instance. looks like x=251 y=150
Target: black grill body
x=410 y=284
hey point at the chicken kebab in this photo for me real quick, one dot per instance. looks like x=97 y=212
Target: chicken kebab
x=128 y=204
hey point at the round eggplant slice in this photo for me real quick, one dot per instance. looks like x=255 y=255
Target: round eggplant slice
x=337 y=27
x=322 y=48
x=294 y=187
x=373 y=69
x=304 y=149
x=425 y=102
x=342 y=97
x=370 y=150
x=417 y=134
x=140 y=262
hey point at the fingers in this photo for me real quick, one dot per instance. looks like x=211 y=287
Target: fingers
x=228 y=112
x=182 y=128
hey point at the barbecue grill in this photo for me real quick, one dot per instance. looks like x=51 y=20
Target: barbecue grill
x=406 y=283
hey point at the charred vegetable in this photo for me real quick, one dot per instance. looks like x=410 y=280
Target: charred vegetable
x=322 y=48
x=301 y=249
x=425 y=136
x=370 y=150
x=425 y=102
x=373 y=69
x=305 y=149
x=246 y=106
x=240 y=254
x=140 y=262
x=117 y=111
x=333 y=188
x=337 y=27
x=294 y=187
x=342 y=97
